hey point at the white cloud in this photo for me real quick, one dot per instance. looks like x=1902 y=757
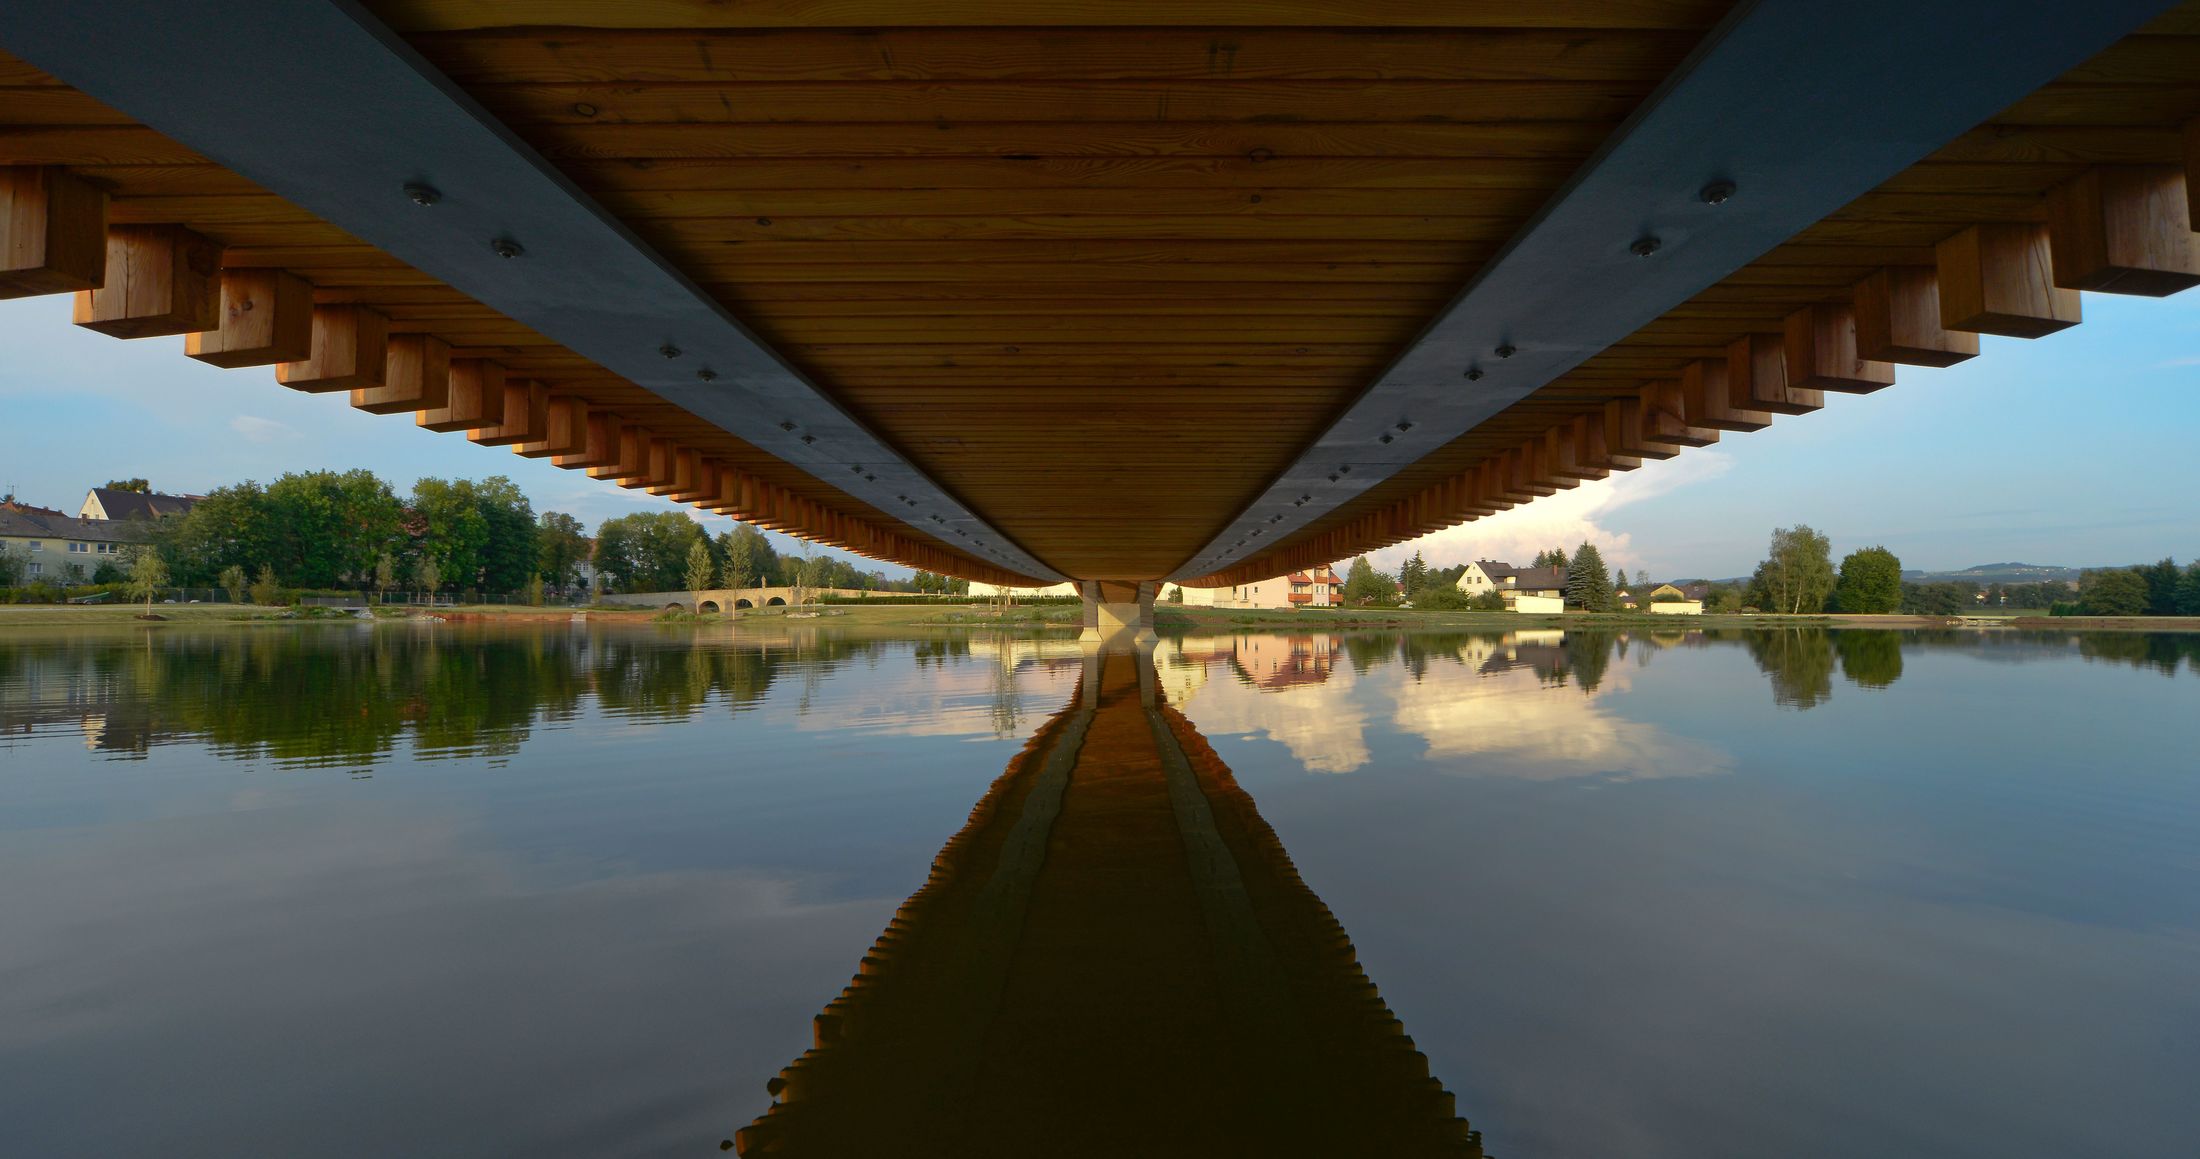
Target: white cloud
x=1562 y=520
x=255 y=429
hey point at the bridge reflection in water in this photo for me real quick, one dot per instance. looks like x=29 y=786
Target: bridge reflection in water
x=1113 y=957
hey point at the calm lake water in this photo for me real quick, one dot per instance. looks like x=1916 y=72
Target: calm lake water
x=434 y=890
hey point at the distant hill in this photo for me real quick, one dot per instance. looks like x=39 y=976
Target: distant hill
x=1999 y=573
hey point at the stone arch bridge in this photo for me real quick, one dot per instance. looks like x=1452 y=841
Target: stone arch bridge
x=732 y=599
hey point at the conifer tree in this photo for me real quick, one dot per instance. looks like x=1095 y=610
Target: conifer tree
x=1588 y=585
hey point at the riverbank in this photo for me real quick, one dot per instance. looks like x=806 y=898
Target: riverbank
x=1169 y=619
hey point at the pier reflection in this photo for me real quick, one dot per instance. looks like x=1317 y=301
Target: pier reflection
x=1113 y=957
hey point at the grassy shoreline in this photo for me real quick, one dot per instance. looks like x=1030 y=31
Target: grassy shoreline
x=1169 y=619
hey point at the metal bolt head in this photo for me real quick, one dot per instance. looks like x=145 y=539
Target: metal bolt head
x=1506 y=350
x=669 y=350
x=1716 y=193
x=808 y=439
x=423 y=194
x=505 y=247
x=706 y=374
x=1645 y=246
x=1474 y=374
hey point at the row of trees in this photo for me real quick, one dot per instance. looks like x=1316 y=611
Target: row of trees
x=2156 y=589
x=351 y=530
x=657 y=551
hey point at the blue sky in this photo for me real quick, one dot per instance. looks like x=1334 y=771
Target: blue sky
x=2078 y=449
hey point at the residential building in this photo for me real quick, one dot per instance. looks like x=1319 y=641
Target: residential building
x=59 y=549
x=1524 y=589
x=1667 y=600
x=1317 y=587
x=105 y=503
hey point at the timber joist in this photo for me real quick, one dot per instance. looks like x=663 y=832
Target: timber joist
x=2123 y=229
x=146 y=278
x=1105 y=274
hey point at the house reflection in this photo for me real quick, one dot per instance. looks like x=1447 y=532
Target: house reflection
x=1113 y=957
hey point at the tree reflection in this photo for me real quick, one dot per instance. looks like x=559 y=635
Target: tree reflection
x=1869 y=658
x=1799 y=661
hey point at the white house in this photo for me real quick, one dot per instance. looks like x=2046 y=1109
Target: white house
x=1316 y=587
x=1533 y=590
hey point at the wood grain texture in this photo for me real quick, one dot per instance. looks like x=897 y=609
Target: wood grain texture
x=53 y=232
x=1058 y=252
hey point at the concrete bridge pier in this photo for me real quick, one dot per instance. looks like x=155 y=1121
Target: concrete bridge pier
x=1117 y=608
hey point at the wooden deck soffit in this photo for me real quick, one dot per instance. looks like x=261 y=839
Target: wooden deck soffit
x=1122 y=290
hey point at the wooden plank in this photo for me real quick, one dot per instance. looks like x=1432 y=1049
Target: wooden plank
x=2124 y=229
x=1708 y=391
x=919 y=206
x=350 y=352
x=1668 y=416
x=1145 y=138
x=1758 y=377
x=1999 y=279
x=2192 y=170
x=565 y=434
x=602 y=449
x=1897 y=314
x=1624 y=434
x=161 y=279
x=266 y=318
x=53 y=232
x=416 y=376
x=475 y=398
x=1248 y=173
x=932 y=54
x=1819 y=345
x=524 y=106
x=448 y=16
x=524 y=416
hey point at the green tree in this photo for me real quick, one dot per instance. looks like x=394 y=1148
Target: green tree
x=1619 y=581
x=148 y=575
x=2188 y=591
x=700 y=567
x=233 y=526
x=1642 y=578
x=233 y=582
x=1588 y=585
x=1413 y=576
x=1364 y=585
x=2162 y=580
x=453 y=531
x=1939 y=599
x=385 y=577
x=1442 y=598
x=329 y=527
x=511 y=548
x=138 y=485
x=1797 y=575
x=748 y=556
x=429 y=575
x=646 y=551
x=562 y=548
x=1870 y=582
x=2120 y=592
x=265 y=591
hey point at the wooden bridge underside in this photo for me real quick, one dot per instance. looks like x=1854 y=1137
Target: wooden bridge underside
x=1103 y=274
